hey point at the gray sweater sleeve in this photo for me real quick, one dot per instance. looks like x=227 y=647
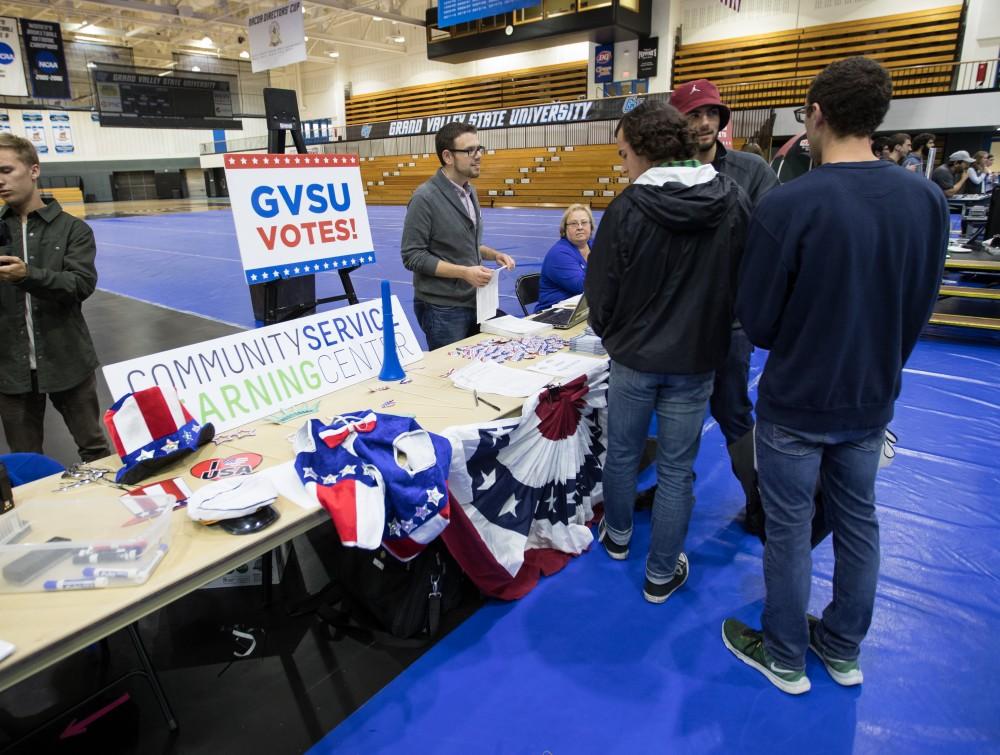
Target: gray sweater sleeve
x=418 y=227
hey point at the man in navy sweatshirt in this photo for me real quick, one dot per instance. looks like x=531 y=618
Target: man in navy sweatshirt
x=838 y=292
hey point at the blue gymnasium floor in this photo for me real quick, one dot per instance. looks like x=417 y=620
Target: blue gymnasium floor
x=584 y=664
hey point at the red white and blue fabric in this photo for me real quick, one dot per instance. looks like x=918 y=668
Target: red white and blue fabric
x=150 y=427
x=524 y=489
x=382 y=479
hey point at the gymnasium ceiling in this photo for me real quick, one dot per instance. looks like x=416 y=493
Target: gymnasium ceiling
x=155 y=29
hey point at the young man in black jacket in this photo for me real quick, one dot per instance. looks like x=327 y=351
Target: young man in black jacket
x=661 y=286
x=838 y=292
x=707 y=115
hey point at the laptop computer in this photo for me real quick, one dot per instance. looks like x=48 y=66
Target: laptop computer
x=562 y=318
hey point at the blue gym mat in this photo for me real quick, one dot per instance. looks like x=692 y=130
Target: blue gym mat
x=190 y=261
x=584 y=664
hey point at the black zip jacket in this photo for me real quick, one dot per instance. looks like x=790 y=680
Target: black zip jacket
x=661 y=277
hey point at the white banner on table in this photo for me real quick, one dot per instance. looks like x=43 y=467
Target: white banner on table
x=277 y=37
x=240 y=378
x=12 y=83
x=298 y=214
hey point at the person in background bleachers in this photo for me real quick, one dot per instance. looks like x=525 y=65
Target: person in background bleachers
x=953 y=176
x=565 y=264
x=977 y=173
x=899 y=147
x=707 y=115
x=442 y=243
x=922 y=145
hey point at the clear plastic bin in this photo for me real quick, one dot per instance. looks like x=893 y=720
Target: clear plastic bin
x=100 y=543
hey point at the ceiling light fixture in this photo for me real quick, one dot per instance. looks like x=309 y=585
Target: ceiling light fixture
x=91 y=64
x=376 y=18
x=206 y=40
x=398 y=38
x=305 y=39
x=244 y=54
x=196 y=69
x=334 y=54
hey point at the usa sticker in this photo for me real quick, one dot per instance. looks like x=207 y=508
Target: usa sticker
x=231 y=466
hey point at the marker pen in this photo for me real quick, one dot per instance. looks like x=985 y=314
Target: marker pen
x=138 y=544
x=132 y=573
x=74 y=584
x=120 y=554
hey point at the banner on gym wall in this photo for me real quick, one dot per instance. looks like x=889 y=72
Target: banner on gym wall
x=579 y=111
x=5 y=124
x=12 y=83
x=648 y=49
x=34 y=131
x=62 y=134
x=277 y=37
x=43 y=48
x=298 y=215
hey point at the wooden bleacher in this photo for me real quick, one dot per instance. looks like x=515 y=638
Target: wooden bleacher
x=538 y=177
x=529 y=86
x=921 y=49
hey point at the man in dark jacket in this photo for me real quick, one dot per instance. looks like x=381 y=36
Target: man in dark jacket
x=730 y=404
x=661 y=285
x=838 y=291
x=46 y=271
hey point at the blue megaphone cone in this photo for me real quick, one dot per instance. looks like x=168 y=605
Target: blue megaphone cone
x=391 y=368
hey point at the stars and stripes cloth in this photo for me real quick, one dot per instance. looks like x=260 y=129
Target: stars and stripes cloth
x=524 y=489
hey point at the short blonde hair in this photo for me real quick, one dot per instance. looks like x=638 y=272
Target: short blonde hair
x=569 y=211
x=24 y=149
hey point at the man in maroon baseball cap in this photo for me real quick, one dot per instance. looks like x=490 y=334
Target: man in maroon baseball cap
x=707 y=115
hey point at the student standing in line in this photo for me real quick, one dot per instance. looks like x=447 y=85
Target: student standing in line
x=661 y=283
x=730 y=404
x=442 y=242
x=565 y=264
x=838 y=291
x=899 y=148
x=46 y=272
x=922 y=145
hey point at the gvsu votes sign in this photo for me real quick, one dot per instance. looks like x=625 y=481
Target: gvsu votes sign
x=298 y=214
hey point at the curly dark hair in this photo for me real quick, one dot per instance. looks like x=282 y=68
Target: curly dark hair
x=447 y=134
x=920 y=142
x=658 y=132
x=854 y=94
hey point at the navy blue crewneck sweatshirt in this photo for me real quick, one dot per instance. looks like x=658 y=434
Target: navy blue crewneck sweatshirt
x=840 y=274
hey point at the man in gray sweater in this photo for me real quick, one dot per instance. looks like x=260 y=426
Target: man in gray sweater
x=442 y=240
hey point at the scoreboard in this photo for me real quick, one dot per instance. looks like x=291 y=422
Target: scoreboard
x=134 y=98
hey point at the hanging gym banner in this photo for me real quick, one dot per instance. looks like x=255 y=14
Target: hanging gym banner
x=648 y=48
x=607 y=109
x=298 y=215
x=604 y=64
x=62 y=134
x=34 y=131
x=5 y=124
x=277 y=37
x=43 y=48
x=12 y=82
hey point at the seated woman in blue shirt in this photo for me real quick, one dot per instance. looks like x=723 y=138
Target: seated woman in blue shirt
x=565 y=263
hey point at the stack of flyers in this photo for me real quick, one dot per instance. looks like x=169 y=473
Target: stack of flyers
x=587 y=342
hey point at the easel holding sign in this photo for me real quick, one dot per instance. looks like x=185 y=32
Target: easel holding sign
x=297 y=220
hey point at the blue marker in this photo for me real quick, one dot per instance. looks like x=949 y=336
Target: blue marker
x=142 y=572
x=74 y=584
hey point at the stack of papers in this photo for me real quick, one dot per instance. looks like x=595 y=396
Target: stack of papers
x=513 y=327
x=588 y=342
x=489 y=377
x=566 y=365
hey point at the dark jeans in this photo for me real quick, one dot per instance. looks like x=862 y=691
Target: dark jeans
x=679 y=402
x=730 y=405
x=444 y=325
x=788 y=464
x=23 y=416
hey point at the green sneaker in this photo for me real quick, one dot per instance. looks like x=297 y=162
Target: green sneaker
x=845 y=673
x=748 y=645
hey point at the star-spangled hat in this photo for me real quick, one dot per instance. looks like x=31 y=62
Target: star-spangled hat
x=151 y=429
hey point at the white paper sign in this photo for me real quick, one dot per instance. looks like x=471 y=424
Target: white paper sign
x=298 y=214
x=277 y=37
x=12 y=83
x=239 y=378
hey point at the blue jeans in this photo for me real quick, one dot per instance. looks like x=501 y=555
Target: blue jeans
x=444 y=325
x=789 y=462
x=679 y=402
x=730 y=404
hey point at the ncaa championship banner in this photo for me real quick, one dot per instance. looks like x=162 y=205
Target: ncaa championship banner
x=43 y=47
x=12 y=82
x=298 y=214
x=277 y=37
x=239 y=378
